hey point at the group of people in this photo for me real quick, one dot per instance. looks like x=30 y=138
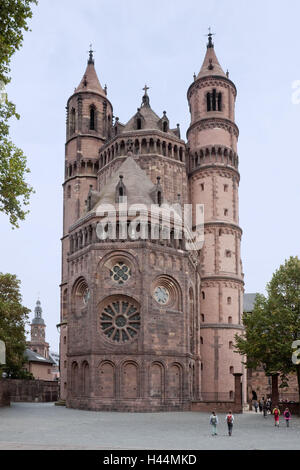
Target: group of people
x=213 y=420
x=265 y=407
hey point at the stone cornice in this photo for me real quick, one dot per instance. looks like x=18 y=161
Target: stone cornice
x=215 y=167
x=222 y=278
x=225 y=225
x=212 y=123
x=88 y=175
x=78 y=134
x=202 y=82
x=229 y=326
x=91 y=92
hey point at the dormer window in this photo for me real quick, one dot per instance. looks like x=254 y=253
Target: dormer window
x=120 y=190
x=165 y=126
x=139 y=123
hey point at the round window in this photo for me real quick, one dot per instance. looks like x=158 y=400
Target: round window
x=120 y=273
x=120 y=320
x=161 y=295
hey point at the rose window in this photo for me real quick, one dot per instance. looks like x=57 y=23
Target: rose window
x=120 y=272
x=120 y=320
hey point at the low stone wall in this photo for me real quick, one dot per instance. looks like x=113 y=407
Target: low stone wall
x=220 y=407
x=32 y=390
x=4 y=393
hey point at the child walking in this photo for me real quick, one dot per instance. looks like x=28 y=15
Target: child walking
x=214 y=421
x=287 y=417
x=276 y=413
x=229 y=421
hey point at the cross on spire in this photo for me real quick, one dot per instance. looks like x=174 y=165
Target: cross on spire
x=145 y=89
x=91 y=57
x=146 y=101
x=210 y=35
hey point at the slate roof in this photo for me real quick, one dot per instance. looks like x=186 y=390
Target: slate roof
x=32 y=356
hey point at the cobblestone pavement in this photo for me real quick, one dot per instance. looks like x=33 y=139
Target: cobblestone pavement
x=45 y=426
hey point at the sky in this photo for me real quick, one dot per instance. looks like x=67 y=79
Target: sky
x=161 y=43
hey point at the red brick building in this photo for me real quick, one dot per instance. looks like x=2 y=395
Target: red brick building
x=146 y=323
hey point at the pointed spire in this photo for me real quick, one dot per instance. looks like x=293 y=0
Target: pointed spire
x=90 y=81
x=211 y=65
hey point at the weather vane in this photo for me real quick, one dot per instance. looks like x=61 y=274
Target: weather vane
x=210 y=35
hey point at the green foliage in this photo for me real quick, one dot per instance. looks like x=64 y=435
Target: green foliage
x=13 y=320
x=14 y=190
x=274 y=323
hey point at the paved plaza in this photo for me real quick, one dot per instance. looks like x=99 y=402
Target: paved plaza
x=46 y=426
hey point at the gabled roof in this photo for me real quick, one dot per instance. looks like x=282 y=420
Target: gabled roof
x=138 y=185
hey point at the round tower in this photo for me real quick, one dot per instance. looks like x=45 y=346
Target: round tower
x=88 y=127
x=213 y=181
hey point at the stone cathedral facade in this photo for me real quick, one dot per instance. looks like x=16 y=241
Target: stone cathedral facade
x=147 y=324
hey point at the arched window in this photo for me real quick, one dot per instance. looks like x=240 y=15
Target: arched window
x=165 y=126
x=220 y=101
x=208 y=102
x=214 y=100
x=139 y=123
x=72 y=124
x=159 y=198
x=92 y=118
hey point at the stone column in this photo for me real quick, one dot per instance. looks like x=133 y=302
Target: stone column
x=238 y=392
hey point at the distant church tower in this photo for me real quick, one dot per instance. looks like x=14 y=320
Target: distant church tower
x=38 y=342
x=213 y=181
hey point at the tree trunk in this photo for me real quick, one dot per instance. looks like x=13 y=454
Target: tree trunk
x=275 y=393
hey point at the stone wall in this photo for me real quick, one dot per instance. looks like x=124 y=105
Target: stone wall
x=4 y=393
x=32 y=390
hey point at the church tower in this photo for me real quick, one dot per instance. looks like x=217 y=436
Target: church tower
x=88 y=127
x=213 y=181
x=38 y=327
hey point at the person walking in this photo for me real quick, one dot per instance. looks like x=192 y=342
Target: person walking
x=229 y=421
x=265 y=409
x=261 y=402
x=213 y=420
x=287 y=417
x=255 y=404
x=276 y=413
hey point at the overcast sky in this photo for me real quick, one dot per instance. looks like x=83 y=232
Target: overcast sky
x=161 y=43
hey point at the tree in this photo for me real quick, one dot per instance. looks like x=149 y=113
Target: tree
x=13 y=320
x=14 y=190
x=274 y=324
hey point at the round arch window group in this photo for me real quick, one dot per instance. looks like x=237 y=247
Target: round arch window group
x=120 y=320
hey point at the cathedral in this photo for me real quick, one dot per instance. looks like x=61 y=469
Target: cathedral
x=147 y=323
